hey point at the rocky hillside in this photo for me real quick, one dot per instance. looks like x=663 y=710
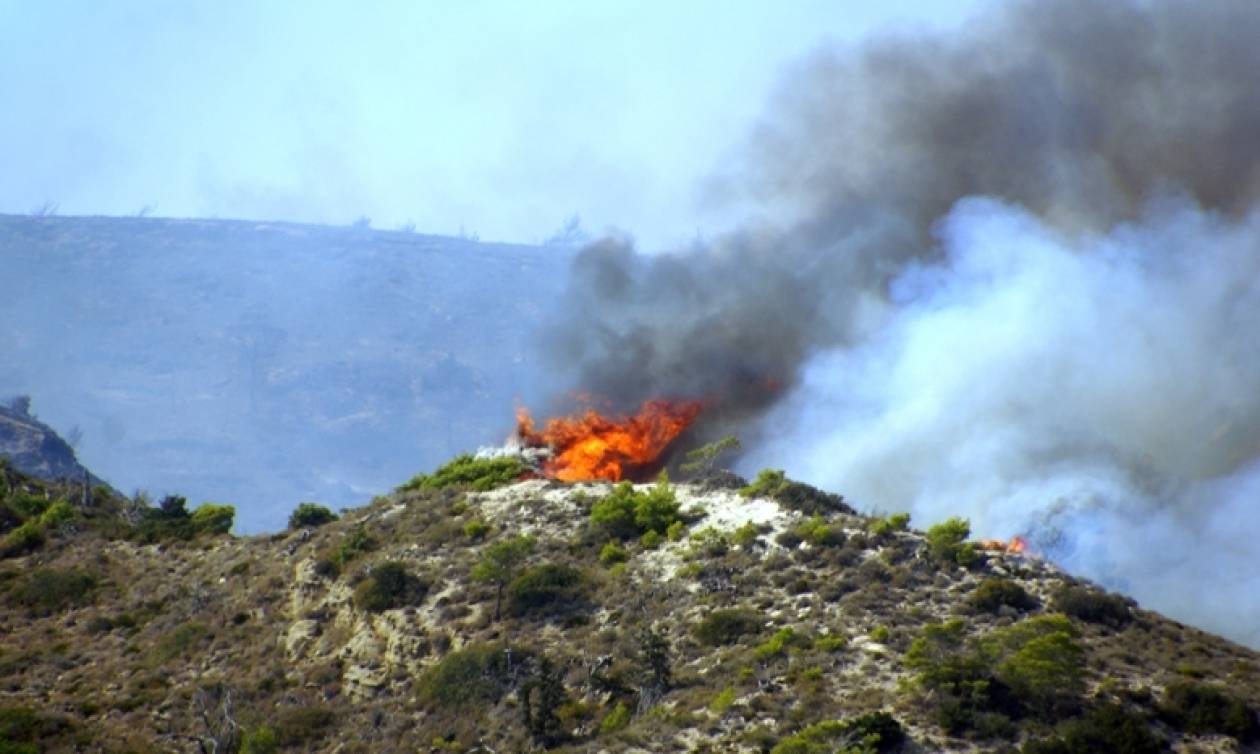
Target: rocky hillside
x=468 y=612
x=35 y=448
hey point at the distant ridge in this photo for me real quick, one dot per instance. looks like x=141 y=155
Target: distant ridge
x=267 y=363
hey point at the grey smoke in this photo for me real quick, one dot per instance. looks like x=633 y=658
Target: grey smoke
x=1012 y=273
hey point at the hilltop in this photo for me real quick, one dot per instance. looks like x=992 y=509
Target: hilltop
x=469 y=612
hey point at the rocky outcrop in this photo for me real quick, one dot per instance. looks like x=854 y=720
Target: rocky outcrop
x=35 y=448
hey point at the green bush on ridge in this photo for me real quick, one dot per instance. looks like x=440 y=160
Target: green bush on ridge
x=1093 y=606
x=947 y=543
x=467 y=470
x=310 y=515
x=172 y=520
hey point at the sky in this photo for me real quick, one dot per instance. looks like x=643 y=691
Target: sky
x=500 y=119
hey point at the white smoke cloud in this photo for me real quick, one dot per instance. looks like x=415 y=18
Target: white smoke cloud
x=1098 y=392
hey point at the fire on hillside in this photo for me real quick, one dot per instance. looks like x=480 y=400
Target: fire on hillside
x=592 y=446
x=1016 y=545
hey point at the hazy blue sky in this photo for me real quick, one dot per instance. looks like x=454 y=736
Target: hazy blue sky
x=500 y=117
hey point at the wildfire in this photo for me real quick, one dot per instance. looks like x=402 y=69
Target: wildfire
x=592 y=446
x=1016 y=545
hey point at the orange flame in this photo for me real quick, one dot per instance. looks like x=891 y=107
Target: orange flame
x=593 y=446
x=1016 y=545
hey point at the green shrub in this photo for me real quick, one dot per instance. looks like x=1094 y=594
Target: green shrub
x=1040 y=661
x=889 y=524
x=27 y=505
x=468 y=471
x=1031 y=666
x=171 y=520
x=947 y=543
x=709 y=542
x=676 y=531
x=657 y=508
x=614 y=513
x=746 y=535
x=57 y=514
x=615 y=720
x=261 y=740
x=774 y=484
x=816 y=531
x=612 y=553
x=1200 y=709
x=994 y=592
x=475 y=528
x=28 y=537
x=167 y=521
x=650 y=540
x=390 y=585
x=212 y=519
x=354 y=544
x=1093 y=606
x=310 y=515
x=872 y=733
x=547 y=587
x=1109 y=728
x=51 y=590
x=723 y=701
x=880 y=634
x=767 y=484
x=476 y=675
x=727 y=626
x=780 y=644
x=499 y=563
x=625 y=513
x=958 y=681
x=25 y=731
x=830 y=643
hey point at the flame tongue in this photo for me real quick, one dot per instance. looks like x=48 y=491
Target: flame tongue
x=593 y=446
x=1017 y=545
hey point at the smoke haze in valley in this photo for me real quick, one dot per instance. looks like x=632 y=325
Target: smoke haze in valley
x=1008 y=272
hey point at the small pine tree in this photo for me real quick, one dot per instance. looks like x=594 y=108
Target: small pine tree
x=499 y=564
x=702 y=458
x=541 y=696
x=655 y=666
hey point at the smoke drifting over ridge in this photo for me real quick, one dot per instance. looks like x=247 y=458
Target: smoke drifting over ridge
x=1012 y=274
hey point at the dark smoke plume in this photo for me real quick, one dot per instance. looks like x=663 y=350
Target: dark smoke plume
x=1012 y=272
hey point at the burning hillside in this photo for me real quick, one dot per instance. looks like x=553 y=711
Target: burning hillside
x=1007 y=270
x=592 y=446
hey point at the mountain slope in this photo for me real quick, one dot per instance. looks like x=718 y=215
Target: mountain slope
x=693 y=616
x=263 y=364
